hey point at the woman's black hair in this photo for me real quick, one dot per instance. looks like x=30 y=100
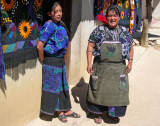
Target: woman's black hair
x=114 y=9
x=52 y=5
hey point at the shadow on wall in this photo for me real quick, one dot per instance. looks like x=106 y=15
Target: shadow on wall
x=81 y=11
x=3 y=86
x=20 y=69
x=77 y=94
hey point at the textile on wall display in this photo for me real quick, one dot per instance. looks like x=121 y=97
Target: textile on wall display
x=130 y=12
x=20 y=30
x=2 y=69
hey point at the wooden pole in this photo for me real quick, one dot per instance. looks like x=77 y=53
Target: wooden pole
x=144 y=37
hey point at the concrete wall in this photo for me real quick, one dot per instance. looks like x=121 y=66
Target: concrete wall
x=156 y=9
x=156 y=14
x=20 y=96
x=82 y=25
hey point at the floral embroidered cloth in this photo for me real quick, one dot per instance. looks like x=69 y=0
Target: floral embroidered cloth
x=20 y=30
x=2 y=70
x=102 y=33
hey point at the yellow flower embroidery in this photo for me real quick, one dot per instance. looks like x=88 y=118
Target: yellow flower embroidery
x=122 y=14
x=119 y=2
x=24 y=29
x=127 y=4
x=7 y=4
x=39 y=3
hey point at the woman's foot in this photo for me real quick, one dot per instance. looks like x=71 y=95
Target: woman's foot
x=62 y=117
x=71 y=114
x=98 y=119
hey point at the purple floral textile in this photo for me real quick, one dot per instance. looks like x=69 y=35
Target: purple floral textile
x=103 y=33
x=2 y=70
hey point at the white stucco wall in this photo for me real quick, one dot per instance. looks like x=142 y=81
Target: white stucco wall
x=156 y=11
x=20 y=98
x=82 y=16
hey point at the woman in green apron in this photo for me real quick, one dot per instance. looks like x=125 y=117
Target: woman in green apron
x=108 y=90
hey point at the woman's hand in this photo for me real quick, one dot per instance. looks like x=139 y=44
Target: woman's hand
x=41 y=60
x=129 y=67
x=89 y=69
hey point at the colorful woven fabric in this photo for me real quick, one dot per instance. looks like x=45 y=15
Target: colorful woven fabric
x=100 y=9
x=138 y=18
x=102 y=32
x=20 y=30
x=2 y=69
x=55 y=37
x=132 y=25
x=55 y=90
x=130 y=12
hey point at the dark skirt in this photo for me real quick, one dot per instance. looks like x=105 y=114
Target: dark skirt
x=114 y=111
x=55 y=90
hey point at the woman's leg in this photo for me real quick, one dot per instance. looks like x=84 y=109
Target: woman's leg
x=114 y=112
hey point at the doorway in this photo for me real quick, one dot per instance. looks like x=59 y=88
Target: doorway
x=66 y=18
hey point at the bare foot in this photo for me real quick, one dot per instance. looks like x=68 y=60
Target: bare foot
x=98 y=120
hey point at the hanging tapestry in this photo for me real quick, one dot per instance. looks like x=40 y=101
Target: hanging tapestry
x=2 y=69
x=130 y=12
x=100 y=7
x=20 y=29
x=138 y=18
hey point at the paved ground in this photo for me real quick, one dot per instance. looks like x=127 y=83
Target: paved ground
x=144 y=108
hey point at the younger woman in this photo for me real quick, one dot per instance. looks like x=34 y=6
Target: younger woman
x=51 y=50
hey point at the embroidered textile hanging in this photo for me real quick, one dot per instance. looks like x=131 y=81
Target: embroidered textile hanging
x=130 y=12
x=2 y=69
x=20 y=30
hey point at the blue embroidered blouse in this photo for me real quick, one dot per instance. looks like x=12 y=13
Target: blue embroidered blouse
x=102 y=33
x=55 y=38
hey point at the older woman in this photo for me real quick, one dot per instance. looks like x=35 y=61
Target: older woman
x=108 y=90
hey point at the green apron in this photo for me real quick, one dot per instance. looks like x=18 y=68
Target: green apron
x=109 y=83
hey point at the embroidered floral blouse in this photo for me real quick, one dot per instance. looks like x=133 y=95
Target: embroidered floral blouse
x=55 y=38
x=102 y=33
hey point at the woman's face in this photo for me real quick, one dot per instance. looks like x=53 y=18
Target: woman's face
x=112 y=19
x=56 y=14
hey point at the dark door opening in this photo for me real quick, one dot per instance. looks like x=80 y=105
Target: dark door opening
x=66 y=18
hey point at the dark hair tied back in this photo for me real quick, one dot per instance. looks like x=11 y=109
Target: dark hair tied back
x=52 y=5
x=114 y=9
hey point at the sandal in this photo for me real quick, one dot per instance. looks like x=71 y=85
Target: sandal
x=116 y=119
x=62 y=117
x=73 y=115
x=98 y=120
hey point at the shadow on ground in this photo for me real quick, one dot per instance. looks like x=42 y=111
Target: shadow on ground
x=46 y=117
x=138 y=35
x=79 y=93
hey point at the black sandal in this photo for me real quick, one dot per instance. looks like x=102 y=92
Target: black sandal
x=61 y=117
x=73 y=115
x=116 y=119
x=99 y=118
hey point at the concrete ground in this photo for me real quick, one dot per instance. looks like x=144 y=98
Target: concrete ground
x=144 y=108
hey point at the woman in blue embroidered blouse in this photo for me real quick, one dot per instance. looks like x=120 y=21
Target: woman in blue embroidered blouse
x=108 y=90
x=51 y=48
